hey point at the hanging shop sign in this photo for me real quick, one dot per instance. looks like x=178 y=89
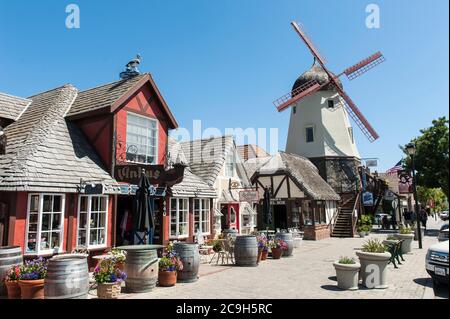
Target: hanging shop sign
x=367 y=199
x=249 y=196
x=371 y=163
x=93 y=189
x=389 y=195
x=404 y=182
x=156 y=174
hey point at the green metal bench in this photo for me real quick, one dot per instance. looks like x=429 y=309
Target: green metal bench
x=395 y=249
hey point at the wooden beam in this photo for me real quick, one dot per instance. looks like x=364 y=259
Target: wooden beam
x=279 y=186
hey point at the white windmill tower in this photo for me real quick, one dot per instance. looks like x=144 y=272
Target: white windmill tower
x=319 y=127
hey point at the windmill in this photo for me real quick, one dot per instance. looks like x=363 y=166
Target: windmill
x=310 y=87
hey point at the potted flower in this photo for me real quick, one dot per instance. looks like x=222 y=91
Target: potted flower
x=263 y=249
x=347 y=273
x=109 y=279
x=277 y=246
x=31 y=281
x=119 y=257
x=169 y=264
x=374 y=259
x=405 y=234
x=361 y=231
x=12 y=282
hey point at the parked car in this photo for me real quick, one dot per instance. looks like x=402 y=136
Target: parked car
x=443 y=233
x=437 y=263
x=444 y=215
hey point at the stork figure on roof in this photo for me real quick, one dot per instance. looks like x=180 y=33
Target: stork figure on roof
x=131 y=68
x=319 y=126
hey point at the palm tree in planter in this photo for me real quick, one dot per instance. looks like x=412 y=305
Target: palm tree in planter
x=374 y=259
x=407 y=235
x=347 y=273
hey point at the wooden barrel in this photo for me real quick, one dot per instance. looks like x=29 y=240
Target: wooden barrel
x=287 y=237
x=67 y=277
x=190 y=257
x=141 y=267
x=232 y=232
x=246 y=251
x=9 y=256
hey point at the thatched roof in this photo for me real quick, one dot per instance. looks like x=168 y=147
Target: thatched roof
x=301 y=170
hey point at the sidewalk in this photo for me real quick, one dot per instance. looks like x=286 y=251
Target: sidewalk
x=309 y=274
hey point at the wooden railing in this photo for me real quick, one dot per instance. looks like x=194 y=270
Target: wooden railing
x=355 y=218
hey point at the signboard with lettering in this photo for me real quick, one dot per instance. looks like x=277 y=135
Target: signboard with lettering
x=155 y=173
x=371 y=163
x=367 y=199
x=249 y=196
x=389 y=195
x=93 y=189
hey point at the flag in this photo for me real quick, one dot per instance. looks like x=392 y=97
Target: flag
x=394 y=170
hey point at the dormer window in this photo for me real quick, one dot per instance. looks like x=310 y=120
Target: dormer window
x=142 y=139
x=230 y=164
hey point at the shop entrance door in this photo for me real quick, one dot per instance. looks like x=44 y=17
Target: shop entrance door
x=280 y=216
x=124 y=225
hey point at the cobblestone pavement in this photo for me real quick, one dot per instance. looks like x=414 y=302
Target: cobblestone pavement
x=307 y=274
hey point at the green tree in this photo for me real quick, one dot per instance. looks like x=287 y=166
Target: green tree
x=432 y=156
x=432 y=194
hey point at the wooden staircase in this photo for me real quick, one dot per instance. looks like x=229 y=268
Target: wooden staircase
x=343 y=226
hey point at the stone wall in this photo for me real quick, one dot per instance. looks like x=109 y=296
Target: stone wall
x=340 y=172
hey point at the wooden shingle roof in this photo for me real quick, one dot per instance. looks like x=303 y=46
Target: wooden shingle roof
x=46 y=153
x=192 y=185
x=301 y=170
x=206 y=157
x=11 y=107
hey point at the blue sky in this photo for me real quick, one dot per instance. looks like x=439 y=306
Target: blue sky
x=224 y=62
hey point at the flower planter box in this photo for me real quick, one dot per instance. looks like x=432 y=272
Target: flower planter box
x=373 y=269
x=110 y=290
x=347 y=275
x=264 y=254
x=32 y=289
x=407 y=242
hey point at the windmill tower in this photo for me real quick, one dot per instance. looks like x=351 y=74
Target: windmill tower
x=319 y=127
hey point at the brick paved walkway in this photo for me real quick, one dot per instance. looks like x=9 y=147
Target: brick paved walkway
x=308 y=274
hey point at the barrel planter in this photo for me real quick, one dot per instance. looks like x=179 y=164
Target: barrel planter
x=232 y=232
x=9 y=256
x=246 y=251
x=407 y=242
x=374 y=269
x=347 y=275
x=141 y=267
x=190 y=257
x=287 y=237
x=67 y=277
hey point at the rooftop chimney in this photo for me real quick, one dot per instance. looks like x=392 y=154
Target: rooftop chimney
x=131 y=69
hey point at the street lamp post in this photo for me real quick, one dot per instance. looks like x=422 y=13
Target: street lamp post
x=411 y=149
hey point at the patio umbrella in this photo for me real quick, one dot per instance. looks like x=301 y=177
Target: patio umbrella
x=266 y=207
x=143 y=208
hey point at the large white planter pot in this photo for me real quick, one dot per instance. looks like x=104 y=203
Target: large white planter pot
x=347 y=275
x=407 y=242
x=373 y=269
x=362 y=234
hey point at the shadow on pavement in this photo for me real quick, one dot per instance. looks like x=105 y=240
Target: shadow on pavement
x=331 y=288
x=440 y=291
x=333 y=278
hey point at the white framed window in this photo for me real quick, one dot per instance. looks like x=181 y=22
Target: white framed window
x=45 y=220
x=92 y=221
x=230 y=164
x=309 y=134
x=202 y=215
x=142 y=139
x=179 y=217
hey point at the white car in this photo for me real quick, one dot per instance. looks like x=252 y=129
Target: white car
x=444 y=215
x=437 y=263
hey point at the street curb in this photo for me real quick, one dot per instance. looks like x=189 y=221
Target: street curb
x=428 y=291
